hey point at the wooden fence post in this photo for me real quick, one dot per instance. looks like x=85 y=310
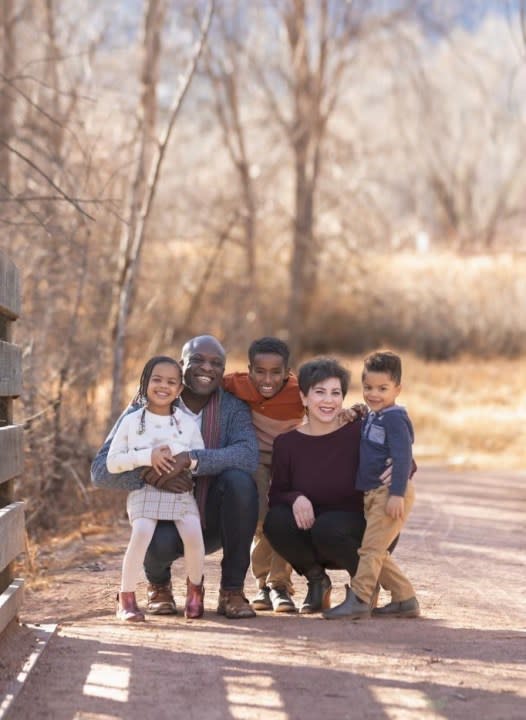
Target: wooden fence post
x=11 y=445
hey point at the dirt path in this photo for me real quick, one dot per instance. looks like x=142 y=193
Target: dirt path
x=465 y=658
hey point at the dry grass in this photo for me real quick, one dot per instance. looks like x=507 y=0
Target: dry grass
x=476 y=414
x=467 y=414
x=438 y=305
x=79 y=541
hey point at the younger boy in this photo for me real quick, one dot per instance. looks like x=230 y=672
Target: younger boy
x=272 y=393
x=387 y=432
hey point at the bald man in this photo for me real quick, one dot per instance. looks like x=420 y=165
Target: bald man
x=222 y=472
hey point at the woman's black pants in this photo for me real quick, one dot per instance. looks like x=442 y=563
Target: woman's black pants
x=332 y=542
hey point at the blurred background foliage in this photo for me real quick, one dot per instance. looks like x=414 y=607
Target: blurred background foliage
x=342 y=174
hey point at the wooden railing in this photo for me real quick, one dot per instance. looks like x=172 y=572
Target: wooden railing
x=11 y=445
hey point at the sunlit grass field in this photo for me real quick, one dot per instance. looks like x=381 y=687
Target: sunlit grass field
x=468 y=414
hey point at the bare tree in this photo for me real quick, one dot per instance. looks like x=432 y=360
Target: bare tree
x=318 y=35
x=147 y=174
x=522 y=15
x=7 y=97
x=47 y=166
x=224 y=67
x=469 y=184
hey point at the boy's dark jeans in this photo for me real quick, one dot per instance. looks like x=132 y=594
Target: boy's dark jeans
x=231 y=517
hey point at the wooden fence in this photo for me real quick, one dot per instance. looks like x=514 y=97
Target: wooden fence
x=11 y=445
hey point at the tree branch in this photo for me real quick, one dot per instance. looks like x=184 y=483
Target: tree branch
x=46 y=178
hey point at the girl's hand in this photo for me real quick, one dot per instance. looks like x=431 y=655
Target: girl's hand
x=162 y=459
x=303 y=512
x=395 y=507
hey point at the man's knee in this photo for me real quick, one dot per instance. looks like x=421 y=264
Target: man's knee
x=240 y=486
x=143 y=529
x=166 y=544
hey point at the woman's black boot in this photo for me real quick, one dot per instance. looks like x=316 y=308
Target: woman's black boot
x=318 y=596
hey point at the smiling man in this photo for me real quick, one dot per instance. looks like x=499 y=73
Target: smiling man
x=225 y=490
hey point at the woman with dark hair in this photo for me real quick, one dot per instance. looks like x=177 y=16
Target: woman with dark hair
x=316 y=518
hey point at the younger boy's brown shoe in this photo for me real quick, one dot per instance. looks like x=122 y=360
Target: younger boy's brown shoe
x=404 y=609
x=234 y=605
x=352 y=607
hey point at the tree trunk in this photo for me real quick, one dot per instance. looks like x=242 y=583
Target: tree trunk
x=146 y=180
x=223 y=69
x=128 y=259
x=305 y=136
x=7 y=97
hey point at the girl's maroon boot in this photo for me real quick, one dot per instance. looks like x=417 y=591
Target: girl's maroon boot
x=127 y=610
x=195 y=595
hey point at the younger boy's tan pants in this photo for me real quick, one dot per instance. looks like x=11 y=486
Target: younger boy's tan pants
x=376 y=563
x=269 y=568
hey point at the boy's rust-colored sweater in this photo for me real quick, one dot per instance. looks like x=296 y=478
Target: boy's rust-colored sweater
x=271 y=416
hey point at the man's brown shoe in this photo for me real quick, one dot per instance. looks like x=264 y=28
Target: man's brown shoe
x=160 y=599
x=233 y=604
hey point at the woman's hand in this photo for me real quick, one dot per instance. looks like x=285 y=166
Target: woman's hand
x=355 y=412
x=360 y=409
x=347 y=415
x=303 y=512
x=162 y=459
x=387 y=475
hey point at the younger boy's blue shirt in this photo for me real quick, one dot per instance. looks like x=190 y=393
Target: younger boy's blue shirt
x=387 y=434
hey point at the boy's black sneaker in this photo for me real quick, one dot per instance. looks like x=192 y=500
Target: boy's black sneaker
x=281 y=600
x=262 y=600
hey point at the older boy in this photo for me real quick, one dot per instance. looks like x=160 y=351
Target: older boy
x=272 y=393
x=387 y=432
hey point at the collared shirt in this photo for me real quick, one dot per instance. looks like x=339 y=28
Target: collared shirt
x=196 y=417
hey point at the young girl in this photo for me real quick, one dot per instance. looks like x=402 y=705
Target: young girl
x=150 y=436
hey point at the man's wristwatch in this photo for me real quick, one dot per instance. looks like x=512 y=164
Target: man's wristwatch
x=194 y=463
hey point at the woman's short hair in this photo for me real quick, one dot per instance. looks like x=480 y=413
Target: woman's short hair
x=317 y=370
